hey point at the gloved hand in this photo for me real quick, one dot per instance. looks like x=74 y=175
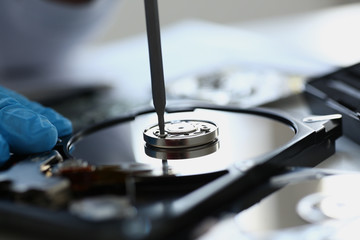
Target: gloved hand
x=28 y=127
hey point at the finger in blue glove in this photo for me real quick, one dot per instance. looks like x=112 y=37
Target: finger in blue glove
x=62 y=124
x=4 y=150
x=27 y=126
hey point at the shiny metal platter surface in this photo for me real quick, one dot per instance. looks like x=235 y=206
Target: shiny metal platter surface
x=241 y=136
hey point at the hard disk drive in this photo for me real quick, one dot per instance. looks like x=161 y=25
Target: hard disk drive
x=120 y=179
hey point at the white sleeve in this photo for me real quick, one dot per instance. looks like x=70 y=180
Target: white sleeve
x=37 y=34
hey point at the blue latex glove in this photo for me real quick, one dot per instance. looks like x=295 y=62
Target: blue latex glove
x=28 y=127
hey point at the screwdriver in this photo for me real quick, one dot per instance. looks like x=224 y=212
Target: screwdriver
x=156 y=64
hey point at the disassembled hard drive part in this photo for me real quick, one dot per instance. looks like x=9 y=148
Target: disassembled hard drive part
x=85 y=177
x=182 y=134
x=203 y=147
x=320 y=118
x=182 y=153
x=27 y=181
x=182 y=139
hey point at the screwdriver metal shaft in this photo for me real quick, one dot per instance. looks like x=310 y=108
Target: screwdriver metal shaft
x=156 y=64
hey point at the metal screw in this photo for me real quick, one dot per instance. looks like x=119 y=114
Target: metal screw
x=205 y=128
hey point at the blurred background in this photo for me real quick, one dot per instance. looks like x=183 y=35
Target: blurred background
x=129 y=15
x=229 y=52
x=244 y=53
